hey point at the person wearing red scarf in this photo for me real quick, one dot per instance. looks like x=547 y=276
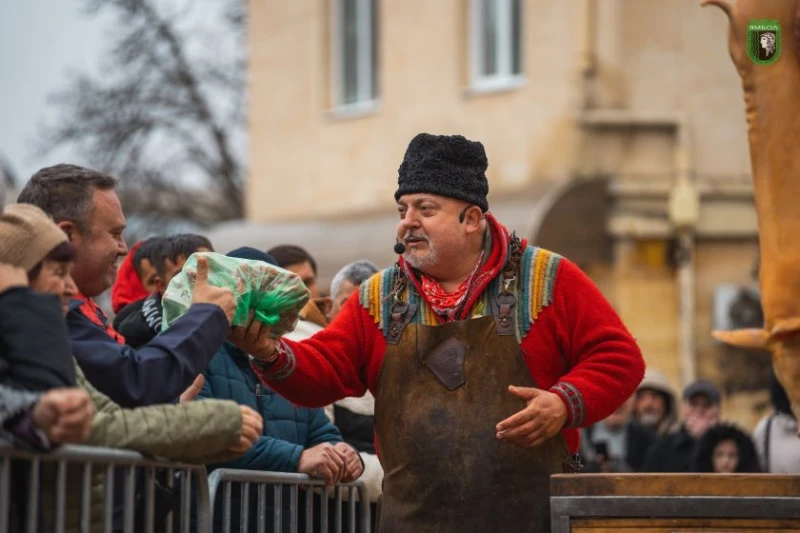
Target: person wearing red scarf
x=485 y=355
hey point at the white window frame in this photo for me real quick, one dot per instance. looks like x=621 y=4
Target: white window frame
x=366 y=100
x=504 y=78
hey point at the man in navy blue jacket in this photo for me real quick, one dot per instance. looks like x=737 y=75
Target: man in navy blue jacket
x=84 y=204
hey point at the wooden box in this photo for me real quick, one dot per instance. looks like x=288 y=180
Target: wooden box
x=674 y=503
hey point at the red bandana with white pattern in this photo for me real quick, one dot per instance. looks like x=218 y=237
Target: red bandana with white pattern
x=444 y=303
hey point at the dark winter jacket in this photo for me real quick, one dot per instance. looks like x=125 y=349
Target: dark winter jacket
x=34 y=345
x=139 y=322
x=157 y=372
x=638 y=440
x=671 y=453
x=288 y=430
x=15 y=405
x=17 y=429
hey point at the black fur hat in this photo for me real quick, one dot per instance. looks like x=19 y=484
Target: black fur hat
x=447 y=165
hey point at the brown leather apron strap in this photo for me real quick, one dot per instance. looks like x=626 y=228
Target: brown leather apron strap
x=503 y=304
x=402 y=313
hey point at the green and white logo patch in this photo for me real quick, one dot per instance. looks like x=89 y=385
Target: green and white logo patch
x=764 y=41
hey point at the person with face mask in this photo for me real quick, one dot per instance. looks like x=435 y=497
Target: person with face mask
x=485 y=355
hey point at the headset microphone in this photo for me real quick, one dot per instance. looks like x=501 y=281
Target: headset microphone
x=399 y=248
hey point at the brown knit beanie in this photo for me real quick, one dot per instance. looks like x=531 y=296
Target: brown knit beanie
x=27 y=235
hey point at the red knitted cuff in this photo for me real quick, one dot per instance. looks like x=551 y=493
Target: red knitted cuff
x=573 y=399
x=280 y=368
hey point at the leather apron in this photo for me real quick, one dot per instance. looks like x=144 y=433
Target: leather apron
x=440 y=393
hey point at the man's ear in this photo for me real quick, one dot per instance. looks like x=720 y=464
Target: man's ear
x=472 y=216
x=69 y=228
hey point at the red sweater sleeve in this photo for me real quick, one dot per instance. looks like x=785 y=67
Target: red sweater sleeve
x=603 y=363
x=331 y=365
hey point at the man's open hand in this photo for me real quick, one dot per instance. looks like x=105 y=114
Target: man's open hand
x=543 y=417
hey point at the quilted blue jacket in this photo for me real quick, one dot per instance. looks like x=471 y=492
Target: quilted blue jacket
x=288 y=429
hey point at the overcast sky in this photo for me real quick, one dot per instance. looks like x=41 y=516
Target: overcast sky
x=40 y=42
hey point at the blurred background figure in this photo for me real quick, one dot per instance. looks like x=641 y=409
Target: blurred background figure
x=700 y=411
x=725 y=449
x=775 y=436
x=347 y=281
x=140 y=321
x=129 y=286
x=617 y=444
x=655 y=403
x=314 y=315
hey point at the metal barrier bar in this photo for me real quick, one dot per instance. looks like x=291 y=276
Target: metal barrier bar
x=226 y=528
x=5 y=501
x=33 y=496
x=60 y=489
x=108 y=499
x=338 y=496
x=323 y=515
x=150 y=499
x=309 y=511
x=243 y=508
x=61 y=496
x=225 y=477
x=277 y=507
x=262 y=508
x=170 y=486
x=186 y=500
x=294 y=510
x=130 y=489
x=351 y=505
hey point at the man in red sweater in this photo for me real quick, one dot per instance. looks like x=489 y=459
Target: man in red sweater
x=484 y=356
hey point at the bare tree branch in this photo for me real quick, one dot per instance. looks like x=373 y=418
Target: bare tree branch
x=156 y=116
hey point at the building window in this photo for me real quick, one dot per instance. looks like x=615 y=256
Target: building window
x=355 y=80
x=496 y=43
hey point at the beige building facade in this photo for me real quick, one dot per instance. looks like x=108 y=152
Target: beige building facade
x=638 y=93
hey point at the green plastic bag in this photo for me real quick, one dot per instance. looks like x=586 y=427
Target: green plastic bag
x=274 y=295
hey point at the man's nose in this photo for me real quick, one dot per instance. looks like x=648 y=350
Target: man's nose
x=410 y=221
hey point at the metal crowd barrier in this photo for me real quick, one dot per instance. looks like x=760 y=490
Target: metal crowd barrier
x=243 y=479
x=75 y=467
